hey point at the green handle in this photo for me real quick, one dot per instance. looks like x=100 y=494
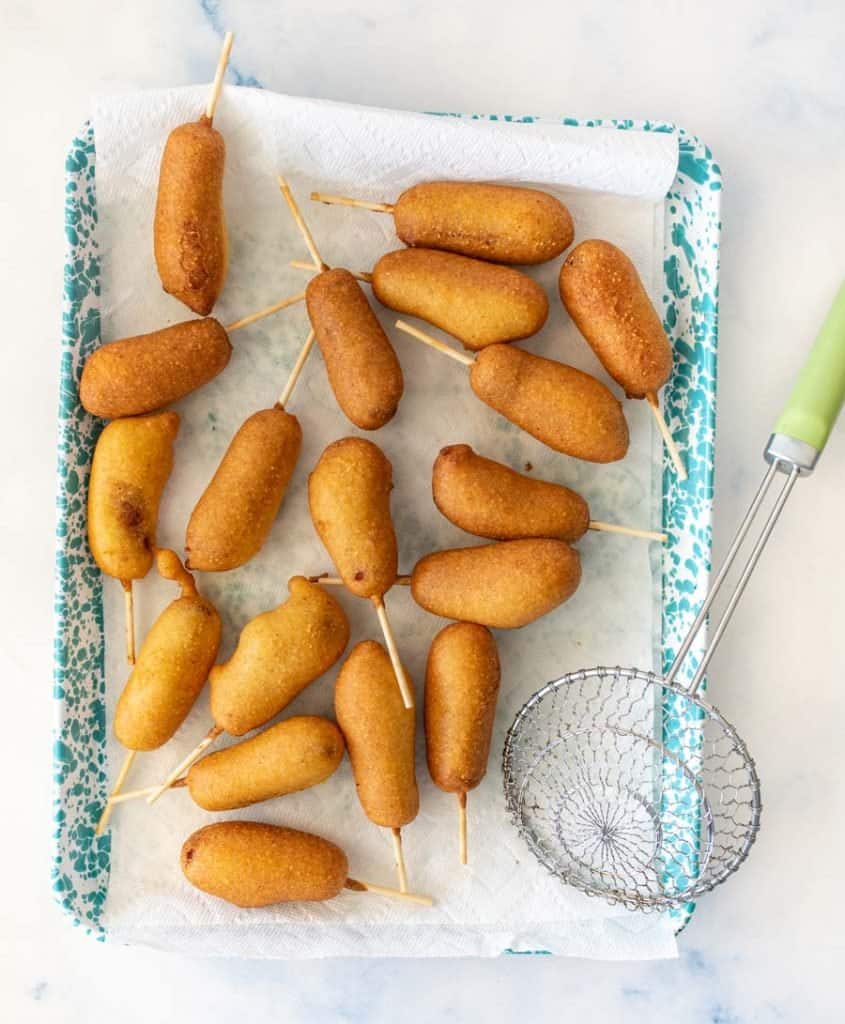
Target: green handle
x=819 y=392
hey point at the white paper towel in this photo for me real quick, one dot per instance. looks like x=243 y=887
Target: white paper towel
x=614 y=183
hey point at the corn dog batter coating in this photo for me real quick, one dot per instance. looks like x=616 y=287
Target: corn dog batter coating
x=488 y=499
x=189 y=232
x=349 y=498
x=252 y=864
x=566 y=409
x=172 y=666
x=502 y=223
x=363 y=370
x=278 y=654
x=504 y=585
x=605 y=297
x=479 y=303
x=143 y=373
x=131 y=465
x=233 y=517
x=461 y=688
x=380 y=733
x=295 y=754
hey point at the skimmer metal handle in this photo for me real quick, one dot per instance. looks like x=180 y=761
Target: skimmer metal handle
x=800 y=434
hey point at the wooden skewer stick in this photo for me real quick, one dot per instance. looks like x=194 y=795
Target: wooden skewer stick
x=392 y=650
x=462 y=826
x=315 y=255
x=184 y=765
x=303 y=227
x=668 y=440
x=118 y=785
x=301 y=359
x=359 y=275
x=362 y=204
x=129 y=607
x=412 y=897
x=245 y=321
x=217 y=85
x=441 y=346
x=401 y=873
x=336 y=581
x=135 y=794
x=629 y=531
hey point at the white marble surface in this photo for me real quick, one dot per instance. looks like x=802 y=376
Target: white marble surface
x=764 y=84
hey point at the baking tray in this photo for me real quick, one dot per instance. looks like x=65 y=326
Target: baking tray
x=81 y=861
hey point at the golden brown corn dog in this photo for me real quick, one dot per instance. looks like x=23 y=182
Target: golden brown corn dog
x=295 y=754
x=603 y=293
x=252 y=864
x=172 y=666
x=379 y=732
x=349 y=499
x=232 y=519
x=189 y=231
x=479 y=303
x=461 y=688
x=143 y=373
x=278 y=654
x=566 y=409
x=131 y=465
x=503 y=585
x=502 y=223
x=363 y=370
x=490 y=500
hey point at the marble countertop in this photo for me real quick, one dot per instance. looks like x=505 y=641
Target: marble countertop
x=764 y=85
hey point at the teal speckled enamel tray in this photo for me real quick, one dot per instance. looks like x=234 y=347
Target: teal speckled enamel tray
x=81 y=863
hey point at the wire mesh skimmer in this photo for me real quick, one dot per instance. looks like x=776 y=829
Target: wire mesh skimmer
x=630 y=786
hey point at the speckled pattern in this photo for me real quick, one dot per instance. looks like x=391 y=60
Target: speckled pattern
x=690 y=311
x=691 y=318
x=80 y=871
